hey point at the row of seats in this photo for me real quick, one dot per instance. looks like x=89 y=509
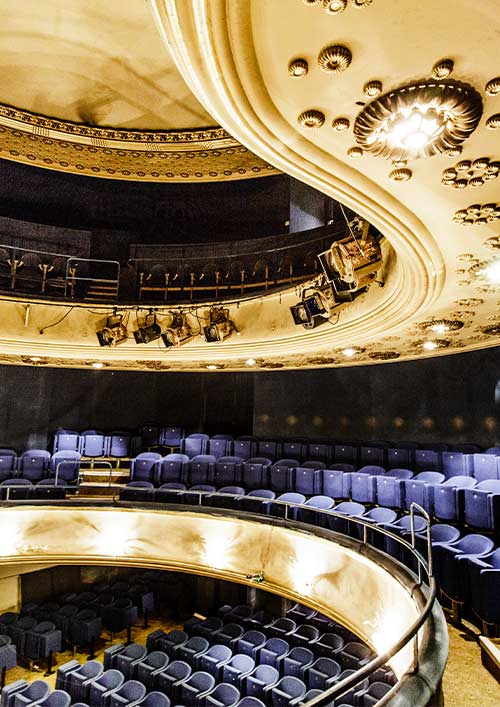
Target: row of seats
x=37 y=464
x=479 y=596
x=459 y=498
x=97 y=443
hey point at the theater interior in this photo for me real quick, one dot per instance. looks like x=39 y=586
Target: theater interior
x=249 y=353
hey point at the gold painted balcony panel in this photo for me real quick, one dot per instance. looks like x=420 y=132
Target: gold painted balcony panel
x=314 y=570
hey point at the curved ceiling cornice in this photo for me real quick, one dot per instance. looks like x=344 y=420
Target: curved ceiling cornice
x=207 y=154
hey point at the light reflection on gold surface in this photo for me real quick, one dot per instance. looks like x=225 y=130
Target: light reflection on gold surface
x=299 y=565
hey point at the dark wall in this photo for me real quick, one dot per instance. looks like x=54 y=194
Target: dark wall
x=36 y=401
x=452 y=398
x=149 y=212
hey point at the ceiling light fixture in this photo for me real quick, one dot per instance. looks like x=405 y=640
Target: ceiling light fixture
x=212 y=367
x=430 y=345
x=250 y=362
x=492 y=272
x=98 y=364
x=349 y=352
x=420 y=119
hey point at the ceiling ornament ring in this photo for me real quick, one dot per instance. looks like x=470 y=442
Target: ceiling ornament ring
x=335 y=59
x=450 y=109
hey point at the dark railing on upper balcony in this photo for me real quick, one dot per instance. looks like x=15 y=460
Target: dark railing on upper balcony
x=169 y=273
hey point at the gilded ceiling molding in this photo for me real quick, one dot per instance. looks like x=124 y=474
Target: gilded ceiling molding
x=209 y=154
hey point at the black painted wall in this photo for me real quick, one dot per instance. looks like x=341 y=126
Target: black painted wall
x=451 y=399
x=143 y=211
x=35 y=401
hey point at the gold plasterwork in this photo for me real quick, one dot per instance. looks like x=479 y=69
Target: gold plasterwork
x=208 y=154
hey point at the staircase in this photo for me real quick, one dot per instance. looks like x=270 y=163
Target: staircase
x=102 y=483
x=103 y=291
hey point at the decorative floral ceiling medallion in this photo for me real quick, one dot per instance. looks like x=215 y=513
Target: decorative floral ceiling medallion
x=419 y=120
x=335 y=58
x=372 y=88
x=334 y=7
x=439 y=326
x=490 y=330
x=493 y=87
x=493 y=243
x=311 y=119
x=298 y=68
x=443 y=69
x=401 y=175
x=383 y=355
x=493 y=122
x=454 y=151
x=469 y=302
x=477 y=214
x=399 y=163
x=355 y=152
x=361 y=3
x=436 y=344
x=341 y=124
x=479 y=172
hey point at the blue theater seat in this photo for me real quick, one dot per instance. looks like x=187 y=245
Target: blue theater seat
x=322 y=674
x=332 y=481
x=281 y=510
x=255 y=473
x=256 y=500
x=445 y=501
x=227 y=471
x=315 y=517
x=245 y=447
x=147 y=670
x=484 y=587
x=212 y=660
x=33 y=464
x=347 y=509
x=194 y=444
x=100 y=689
x=197 y=686
x=297 y=661
x=273 y=652
x=281 y=475
x=8 y=462
x=427 y=460
x=259 y=681
x=223 y=695
x=484 y=467
x=451 y=568
x=172 y=468
x=390 y=487
x=322 y=452
x=200 y=469
x=237 y=669
x=175 y=674
x=171 y=437
x=191 y=649
x=482 y=505
x=417 y=489
x=220 y=446
x=286 y=692
x=295 y=448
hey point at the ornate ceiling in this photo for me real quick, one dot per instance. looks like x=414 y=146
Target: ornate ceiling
x=87 y=87
x=297 y=99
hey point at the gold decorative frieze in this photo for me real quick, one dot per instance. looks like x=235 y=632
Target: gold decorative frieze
x=209 y=154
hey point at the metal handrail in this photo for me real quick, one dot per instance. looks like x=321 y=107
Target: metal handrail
x=103 y=463
x=340 y=688
x=72 y=277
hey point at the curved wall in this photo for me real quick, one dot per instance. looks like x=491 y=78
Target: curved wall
x=300 y=565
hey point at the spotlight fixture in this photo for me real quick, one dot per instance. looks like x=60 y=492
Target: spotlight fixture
x=307 y=312
x=220 y=327
x=179 y=332
x=114 y=333
x=150 y=331
x=351 y=263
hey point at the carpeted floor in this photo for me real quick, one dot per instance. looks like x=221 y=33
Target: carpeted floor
x=466 y=682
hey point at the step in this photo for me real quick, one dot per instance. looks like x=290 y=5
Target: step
x=490 y=655
x=102 y=476
x=95 y=488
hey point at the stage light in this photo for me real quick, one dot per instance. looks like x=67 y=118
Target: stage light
x=149 y=332
x=114 y=333
x=308 y=312
x=179 y=332
x=220 y=327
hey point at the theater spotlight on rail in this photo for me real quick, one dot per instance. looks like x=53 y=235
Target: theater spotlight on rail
x=309 y=311
x=114 y=332
x=220 y=327
x=179 y=332
x=150 y=331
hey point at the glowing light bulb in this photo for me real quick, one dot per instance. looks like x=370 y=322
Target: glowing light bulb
x=97 y=364
x=250 y=362
x=429 y=345
x=492 y=272
x=349 y=352
x=440 y=328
